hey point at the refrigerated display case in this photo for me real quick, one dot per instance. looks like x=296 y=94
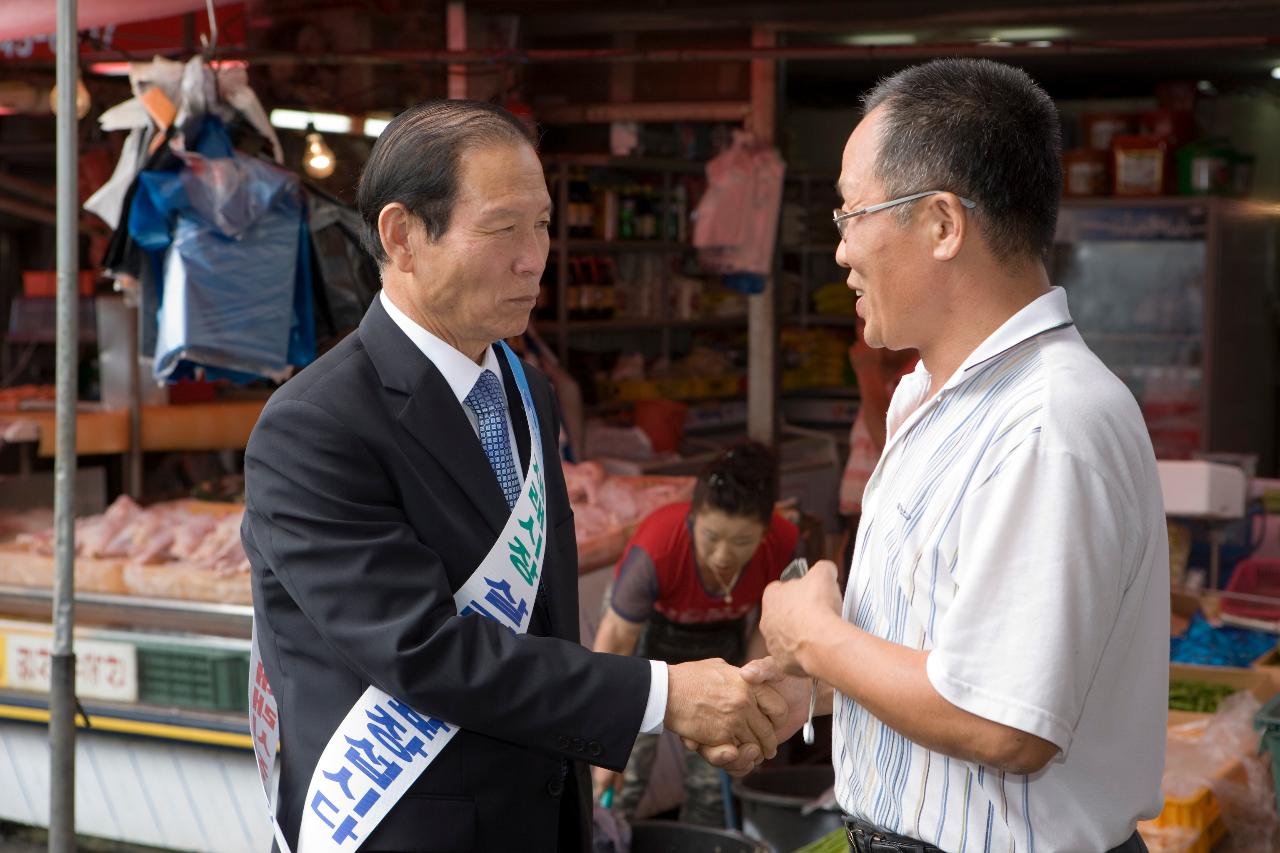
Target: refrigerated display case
x=1181 y=299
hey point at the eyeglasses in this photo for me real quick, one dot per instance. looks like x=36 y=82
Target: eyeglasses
x=841 y=218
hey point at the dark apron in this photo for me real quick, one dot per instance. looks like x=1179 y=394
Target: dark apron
x=679 y=642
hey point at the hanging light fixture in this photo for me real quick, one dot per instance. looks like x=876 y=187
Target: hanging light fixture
x=318 y=161
x=83 y=101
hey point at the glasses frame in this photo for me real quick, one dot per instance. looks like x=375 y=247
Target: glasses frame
x=841 y=218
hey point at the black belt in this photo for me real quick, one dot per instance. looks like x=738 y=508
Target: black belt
x=867 y=838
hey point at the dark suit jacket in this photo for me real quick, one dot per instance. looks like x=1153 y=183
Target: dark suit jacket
x=369 y=501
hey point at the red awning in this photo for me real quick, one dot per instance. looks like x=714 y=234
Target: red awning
x=24 y=23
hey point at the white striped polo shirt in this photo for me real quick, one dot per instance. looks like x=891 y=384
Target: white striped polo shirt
x=1014 y=527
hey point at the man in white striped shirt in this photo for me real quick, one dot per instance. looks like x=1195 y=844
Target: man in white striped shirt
x=999 y=662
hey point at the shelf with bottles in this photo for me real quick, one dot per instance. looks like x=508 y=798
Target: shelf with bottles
x=639 y=292
x=620 y=249
x=622 y=204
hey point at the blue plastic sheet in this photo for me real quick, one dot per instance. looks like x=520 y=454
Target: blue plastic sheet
x=229 y=243
x=1204 y=644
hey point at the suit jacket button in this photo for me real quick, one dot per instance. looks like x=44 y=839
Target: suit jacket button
x=562 y=742
x=579 y=745
x=594 y=748
x=555 y=787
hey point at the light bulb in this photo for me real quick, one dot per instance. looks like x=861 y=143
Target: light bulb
x=83 y=101
x=319 y=161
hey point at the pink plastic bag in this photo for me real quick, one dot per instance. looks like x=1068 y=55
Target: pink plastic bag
x=736 y=222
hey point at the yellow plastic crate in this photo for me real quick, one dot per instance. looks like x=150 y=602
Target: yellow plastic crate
x=1180 y=839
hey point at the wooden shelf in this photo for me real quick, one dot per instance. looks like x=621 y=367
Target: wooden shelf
x=189 y=426
x=200 y=426
x=97 y=433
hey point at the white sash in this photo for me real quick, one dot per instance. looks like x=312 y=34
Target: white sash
x=382 y=746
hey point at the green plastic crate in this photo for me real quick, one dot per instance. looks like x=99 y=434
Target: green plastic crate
x=1267 y=721
x=189 y=677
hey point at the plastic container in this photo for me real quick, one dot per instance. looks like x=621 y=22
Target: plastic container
x=772 y=801
x=1101 y=128
x=1204 y=168
x=1254 y=577
x=1084 y=172
x=663 y=421
x=1140 y=165
x=667 y=836
x=189 y=677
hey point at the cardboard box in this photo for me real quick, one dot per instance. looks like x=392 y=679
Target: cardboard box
x=1259 y=682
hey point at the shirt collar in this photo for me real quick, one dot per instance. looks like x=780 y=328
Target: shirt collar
x=459 y=371
x=1044 y=314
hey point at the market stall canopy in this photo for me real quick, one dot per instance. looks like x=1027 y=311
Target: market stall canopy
x=20 y=19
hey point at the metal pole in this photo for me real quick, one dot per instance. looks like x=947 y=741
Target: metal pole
x=62 y=701
x=762 y=309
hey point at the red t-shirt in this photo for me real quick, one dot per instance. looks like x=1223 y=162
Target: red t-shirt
x=658 y=571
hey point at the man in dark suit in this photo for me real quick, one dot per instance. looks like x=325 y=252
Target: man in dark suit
x=378 y=479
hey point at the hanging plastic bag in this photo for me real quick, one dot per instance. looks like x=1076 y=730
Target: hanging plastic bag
x=736 y=222
x=235 y=282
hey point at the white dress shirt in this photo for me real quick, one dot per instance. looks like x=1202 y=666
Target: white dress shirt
x=1014 y=528
x=462 y=373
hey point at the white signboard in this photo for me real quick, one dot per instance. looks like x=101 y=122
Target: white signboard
x=104 y=670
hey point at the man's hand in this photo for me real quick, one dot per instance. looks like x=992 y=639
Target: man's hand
x=603 y=779
x=794 y=692
x=785 y=701
x=795 y=612
x=708 y=702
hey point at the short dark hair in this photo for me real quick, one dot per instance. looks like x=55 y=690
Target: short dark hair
x=979 y=129
x=742 y=481
x=415 y=162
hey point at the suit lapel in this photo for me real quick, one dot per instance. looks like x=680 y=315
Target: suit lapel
x=434 y=419
x=431 y=414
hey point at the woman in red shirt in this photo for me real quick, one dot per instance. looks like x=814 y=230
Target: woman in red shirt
x=687 y=581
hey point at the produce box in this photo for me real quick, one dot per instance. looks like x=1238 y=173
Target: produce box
x=1259 y=683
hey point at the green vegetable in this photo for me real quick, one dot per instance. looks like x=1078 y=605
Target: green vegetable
x=1197 y=696
x=835 y=842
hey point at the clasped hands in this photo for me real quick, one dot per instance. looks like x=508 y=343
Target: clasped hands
x=735 y=718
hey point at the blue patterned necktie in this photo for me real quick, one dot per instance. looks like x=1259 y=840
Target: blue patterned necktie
x=489 y=404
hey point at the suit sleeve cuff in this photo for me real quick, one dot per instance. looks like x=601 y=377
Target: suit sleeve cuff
x=655 y=710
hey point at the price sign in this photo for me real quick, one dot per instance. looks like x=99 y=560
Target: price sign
x=104 y=670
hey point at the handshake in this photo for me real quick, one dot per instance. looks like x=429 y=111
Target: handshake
x=735 y=718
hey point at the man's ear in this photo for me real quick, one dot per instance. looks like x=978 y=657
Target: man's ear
x=395 y=230
x=948 y=225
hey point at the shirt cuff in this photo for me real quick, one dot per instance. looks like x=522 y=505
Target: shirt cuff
x=655 y=710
